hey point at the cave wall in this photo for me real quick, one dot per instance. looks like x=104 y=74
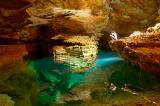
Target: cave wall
x=133 y=15
x=122 y=16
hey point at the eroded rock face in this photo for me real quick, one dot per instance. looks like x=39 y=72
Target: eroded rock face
x=77 y=57
x=122 y=14
x=13 y=17
x=75 y=25
x=96 y=6
x=141 y=48
x=49 y=18
x=77 y=16
x=129 y=15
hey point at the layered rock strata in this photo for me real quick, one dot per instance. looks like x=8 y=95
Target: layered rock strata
x=141 y=48
x=76 y=31
x=119 y=14
x=58 y=22
x=132 y=15
x=79 y=56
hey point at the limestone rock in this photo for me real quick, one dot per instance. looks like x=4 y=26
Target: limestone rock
x=79 y=55
x=132 y=15
x=76 y=25
x=122 y=14
x=141 y=49
x=77 y=16
x=70 y=20
x=96 y=6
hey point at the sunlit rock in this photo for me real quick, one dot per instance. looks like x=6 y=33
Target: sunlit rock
x=142 y=49
x=76 y=25
x=155 y=28
x=79 y=56
x=136 y=33
x=132 y=15
x=62 y=20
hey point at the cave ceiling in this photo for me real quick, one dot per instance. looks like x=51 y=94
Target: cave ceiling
x=78 y=16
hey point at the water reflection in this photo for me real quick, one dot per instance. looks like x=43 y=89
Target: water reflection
x=77 y=57
x=57 y=78
x=57 y=74
x=46 y=80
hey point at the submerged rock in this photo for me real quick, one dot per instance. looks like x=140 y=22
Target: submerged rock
x=141 y=49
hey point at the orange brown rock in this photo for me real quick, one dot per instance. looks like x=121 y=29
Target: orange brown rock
x=142 y=50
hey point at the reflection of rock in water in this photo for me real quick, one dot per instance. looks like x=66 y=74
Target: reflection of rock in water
x=36 y=51
x=55 y=79
x=5 y=100
x=77 y=57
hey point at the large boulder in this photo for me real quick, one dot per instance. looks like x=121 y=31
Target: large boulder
x=141 y=48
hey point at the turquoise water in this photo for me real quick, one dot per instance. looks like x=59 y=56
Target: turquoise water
x=58 y=79
x=43 y=82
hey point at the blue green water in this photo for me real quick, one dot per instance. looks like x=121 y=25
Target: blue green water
x=57 y=79
x=43 y=82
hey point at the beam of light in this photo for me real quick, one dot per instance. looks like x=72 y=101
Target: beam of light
x=109 y=60
x=60 y=80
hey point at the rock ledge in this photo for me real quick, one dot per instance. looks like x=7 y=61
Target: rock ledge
x=141 y=48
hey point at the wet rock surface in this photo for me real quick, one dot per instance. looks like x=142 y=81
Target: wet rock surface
x=141 y=48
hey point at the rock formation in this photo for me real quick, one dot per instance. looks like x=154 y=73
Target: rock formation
x=73 y=25
x=114 y=14
x=13 y=17
x=132 y=15
x=141 y=48
x=61 y=22
x=78 y=57
x=70 y=32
